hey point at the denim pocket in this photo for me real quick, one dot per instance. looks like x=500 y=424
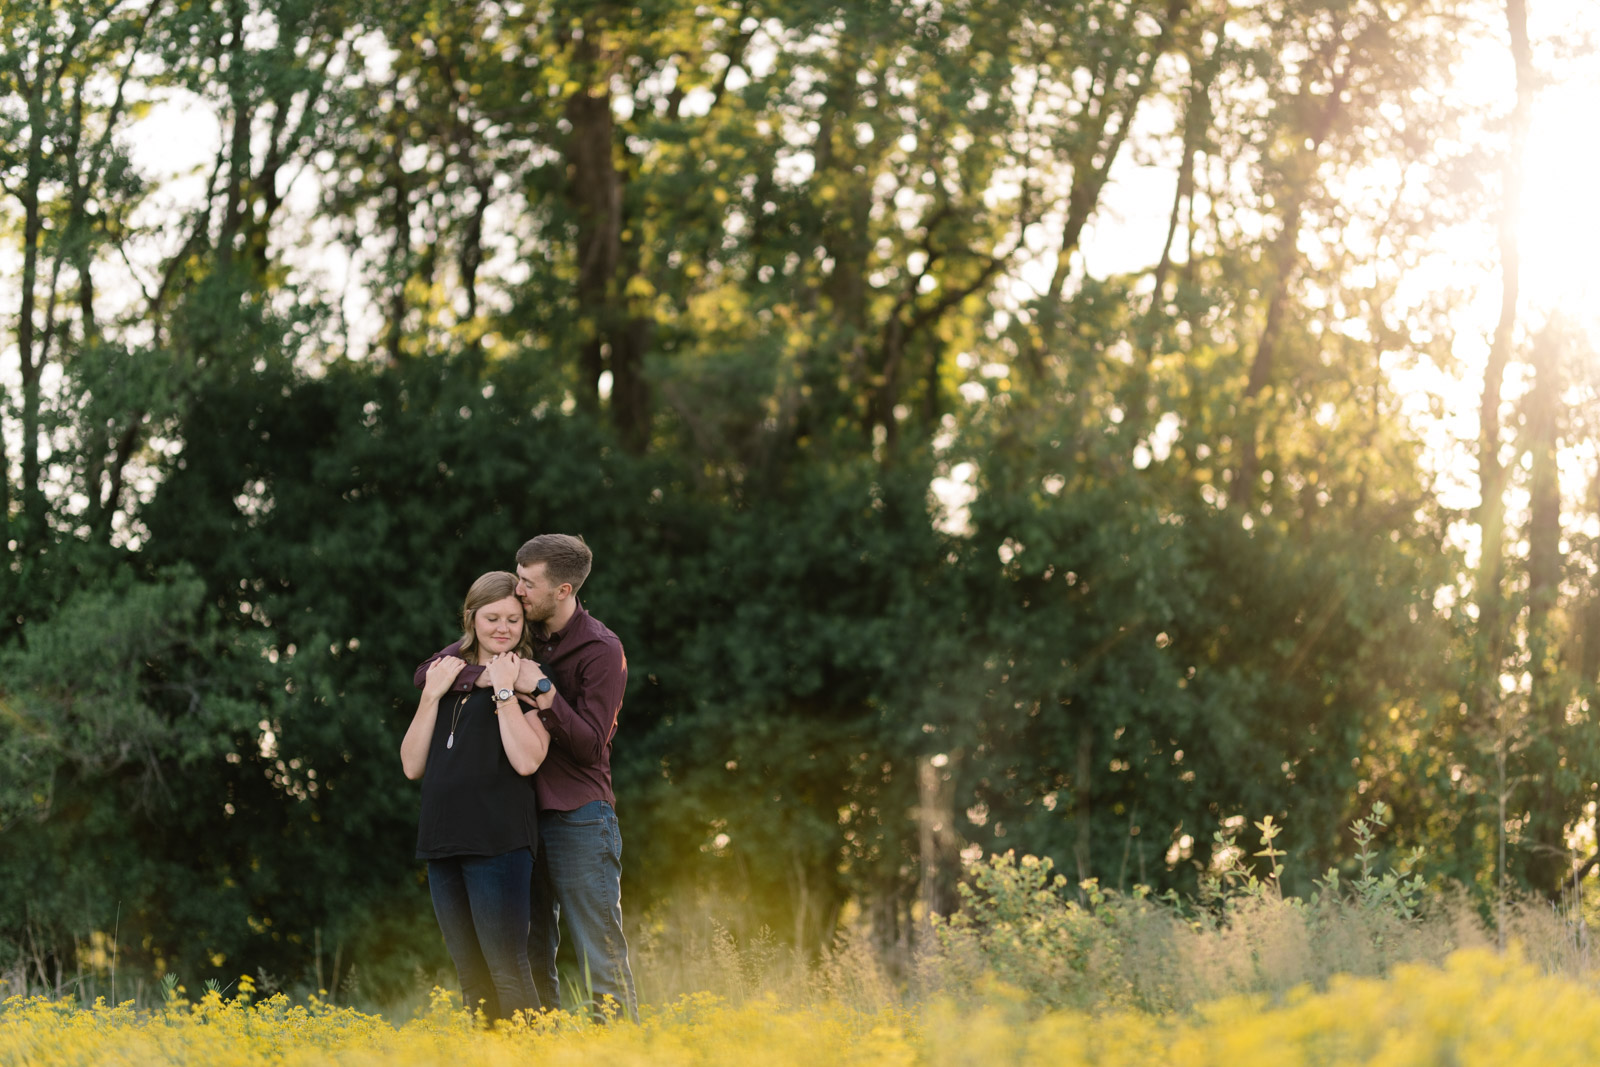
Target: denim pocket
x=587 y=817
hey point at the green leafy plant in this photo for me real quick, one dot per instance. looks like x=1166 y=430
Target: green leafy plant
x=1398 y=889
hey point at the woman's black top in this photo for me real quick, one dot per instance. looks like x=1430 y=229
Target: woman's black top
x=473 y=803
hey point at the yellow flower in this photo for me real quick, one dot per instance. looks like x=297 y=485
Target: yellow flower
x=1478 y=1009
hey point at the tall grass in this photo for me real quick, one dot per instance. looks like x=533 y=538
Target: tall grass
x=1059 y=946
x=1056 y=946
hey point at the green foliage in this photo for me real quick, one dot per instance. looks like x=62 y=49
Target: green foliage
x=104 y=739
x=1021 y=925
x=74 y=716
x=1398 y=888
x=1016 y=920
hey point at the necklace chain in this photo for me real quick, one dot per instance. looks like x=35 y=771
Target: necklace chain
x=461 y=702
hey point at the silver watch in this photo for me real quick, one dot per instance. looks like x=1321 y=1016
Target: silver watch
x=502 y=695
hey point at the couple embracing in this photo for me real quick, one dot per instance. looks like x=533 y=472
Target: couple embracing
x=512 y=741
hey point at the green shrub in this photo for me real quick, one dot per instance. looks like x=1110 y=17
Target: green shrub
x=1085 y=947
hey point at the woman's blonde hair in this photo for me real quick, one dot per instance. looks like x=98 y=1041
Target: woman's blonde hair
x=496 y=585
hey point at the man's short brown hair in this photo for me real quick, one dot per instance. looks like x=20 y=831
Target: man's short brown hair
x=566 y=558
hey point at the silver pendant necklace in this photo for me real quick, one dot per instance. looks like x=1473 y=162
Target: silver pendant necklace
x=450 y=742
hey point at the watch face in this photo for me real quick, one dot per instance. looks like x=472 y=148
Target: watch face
x=503 y=695
x=542 y=687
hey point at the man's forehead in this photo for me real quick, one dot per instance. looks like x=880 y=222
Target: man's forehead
x=532 y=571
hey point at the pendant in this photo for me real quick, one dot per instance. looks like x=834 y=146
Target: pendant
x=450 y=742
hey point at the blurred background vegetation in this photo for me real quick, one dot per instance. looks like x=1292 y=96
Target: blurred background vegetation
x=924 y=538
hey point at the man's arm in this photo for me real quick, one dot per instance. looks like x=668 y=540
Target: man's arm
x=582 y=723
x=465 y=681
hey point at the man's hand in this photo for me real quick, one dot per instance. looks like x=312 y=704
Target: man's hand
x=441 y=674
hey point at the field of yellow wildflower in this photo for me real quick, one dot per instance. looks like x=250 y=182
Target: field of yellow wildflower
x=1478 y=1008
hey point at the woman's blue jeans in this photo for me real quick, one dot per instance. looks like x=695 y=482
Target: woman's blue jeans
x=482 y=906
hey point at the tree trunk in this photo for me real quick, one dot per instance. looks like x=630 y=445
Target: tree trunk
x=31 y=532
x=5 y=518
x=400 y=227
x=1589 y=615
x=1081 y=796
x=845 y=231
x=1196 y=120
x=595 y=189
x=1548 y=865
x=1092 y=162
x=470 y=257
x=630 y=392
x=937 y=844
x=238 y=142
x=1301 y=173
x=1491 y=473
x=1093 y=166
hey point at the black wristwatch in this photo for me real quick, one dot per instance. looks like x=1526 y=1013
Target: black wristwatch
x=541 y=687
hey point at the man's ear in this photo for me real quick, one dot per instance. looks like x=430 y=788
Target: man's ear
x=565 y=590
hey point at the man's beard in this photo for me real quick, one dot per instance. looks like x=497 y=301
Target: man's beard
x=538 y=613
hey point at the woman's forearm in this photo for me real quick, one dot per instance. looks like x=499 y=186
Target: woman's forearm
x=525 y=739
x=419 y=737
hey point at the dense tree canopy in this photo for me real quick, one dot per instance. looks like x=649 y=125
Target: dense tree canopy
x=920 y=533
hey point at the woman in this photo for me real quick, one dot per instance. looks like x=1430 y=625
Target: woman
x=479 y=828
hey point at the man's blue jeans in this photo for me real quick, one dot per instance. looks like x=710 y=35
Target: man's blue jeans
x=482 y=906
x=579 y=878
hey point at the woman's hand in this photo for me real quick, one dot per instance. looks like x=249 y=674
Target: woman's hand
x=502 y=670
x=441 y=674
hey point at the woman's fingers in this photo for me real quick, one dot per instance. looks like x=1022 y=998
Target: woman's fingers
x=445 y=669
x=503 y=669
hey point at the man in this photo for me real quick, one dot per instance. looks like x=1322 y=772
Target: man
x=576 y=686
